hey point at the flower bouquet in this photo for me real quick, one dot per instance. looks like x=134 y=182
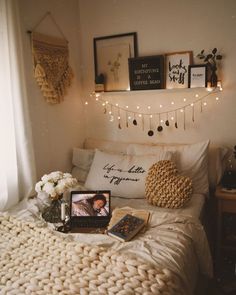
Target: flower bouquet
x=54 y=185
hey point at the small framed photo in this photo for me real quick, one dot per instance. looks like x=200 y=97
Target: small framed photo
x=197 y=76
x=177 y=67
x=111 y=54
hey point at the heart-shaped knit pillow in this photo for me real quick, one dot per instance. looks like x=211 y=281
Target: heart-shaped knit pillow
x=165 y=188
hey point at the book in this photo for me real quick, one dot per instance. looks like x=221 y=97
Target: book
x=119 y=213
x=126 y=228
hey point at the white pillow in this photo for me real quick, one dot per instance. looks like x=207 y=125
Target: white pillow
x=124 y=175
x=191 y=160
x=82 y=160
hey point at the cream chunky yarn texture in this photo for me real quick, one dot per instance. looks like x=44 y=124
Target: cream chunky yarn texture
x=36 y=260
x=165 y=188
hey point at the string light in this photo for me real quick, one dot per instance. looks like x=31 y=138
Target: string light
x=167 y=113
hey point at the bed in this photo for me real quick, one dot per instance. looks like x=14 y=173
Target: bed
x=168 y=258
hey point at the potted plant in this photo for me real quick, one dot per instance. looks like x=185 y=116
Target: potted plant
x=211 y=60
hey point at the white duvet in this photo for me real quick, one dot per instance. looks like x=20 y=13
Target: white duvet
x=172 y=241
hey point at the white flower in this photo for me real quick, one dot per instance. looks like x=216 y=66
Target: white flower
x=55 y=183
x=38 y=186
x=49 y=188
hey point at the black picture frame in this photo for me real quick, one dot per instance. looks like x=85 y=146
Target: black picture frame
x=111 y=54
x=146 y=72
x=197 y=76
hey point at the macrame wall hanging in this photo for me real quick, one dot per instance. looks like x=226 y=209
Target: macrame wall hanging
x=51 y=63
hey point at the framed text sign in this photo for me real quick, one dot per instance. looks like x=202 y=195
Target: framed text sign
x=177 y=69
x=146 y=72
x=197 y=76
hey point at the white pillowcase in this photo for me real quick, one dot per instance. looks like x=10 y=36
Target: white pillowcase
x=191 y=160
x=82 y=160
x=124 y=175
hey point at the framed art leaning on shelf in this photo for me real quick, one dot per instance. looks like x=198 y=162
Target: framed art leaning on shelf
x=197 y=76
x=111 y=54
x=176 y=66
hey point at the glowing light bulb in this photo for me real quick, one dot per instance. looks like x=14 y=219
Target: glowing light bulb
x=196 y=95
x=204 y=103
x=172 y=103
x=97 y=94
x=118 y=117
x=150 y=116
x=107 y=102
x=140 y=115
x=181 y=110
x=103 y=104
x=217 y=98
x=138 y=107
x=184 y=99
x=129 y=117
x=162 y=121
x=86 y=103
x=172 y=118
x=117 y=104
x=110 y=113
x=161 y=105
x=127 y=107
x=149 y=107
x=96 y=98
x=192 y=104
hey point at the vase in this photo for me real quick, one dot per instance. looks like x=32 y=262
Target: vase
x=213 y=78
x=52 y=213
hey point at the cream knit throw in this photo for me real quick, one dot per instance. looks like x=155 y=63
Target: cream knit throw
x=51 y=66
x=36 y=260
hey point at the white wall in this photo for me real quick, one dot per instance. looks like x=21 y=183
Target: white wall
x=164 y=26
x=56 y=128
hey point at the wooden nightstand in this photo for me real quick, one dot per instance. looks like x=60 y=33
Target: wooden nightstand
x=226 y=205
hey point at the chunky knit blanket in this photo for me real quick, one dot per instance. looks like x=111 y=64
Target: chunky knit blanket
x=36 y=260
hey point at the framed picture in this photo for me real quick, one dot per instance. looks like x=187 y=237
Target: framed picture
x=111 y=54
x=197 y=76
x=146 y=72
x=177 y=66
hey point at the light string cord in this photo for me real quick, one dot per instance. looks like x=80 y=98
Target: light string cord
x=105 y=102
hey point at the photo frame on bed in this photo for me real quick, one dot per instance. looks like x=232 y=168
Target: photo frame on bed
x=111 y=54
x=177 y=67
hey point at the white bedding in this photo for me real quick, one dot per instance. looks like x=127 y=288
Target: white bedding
x=174 y=240
x=193 y=208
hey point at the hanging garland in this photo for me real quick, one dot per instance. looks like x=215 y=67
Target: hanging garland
x=130 y=116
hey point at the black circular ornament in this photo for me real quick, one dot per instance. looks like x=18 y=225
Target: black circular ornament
x=176 y=125
x=150 y=133
x=119 y=126
x=135 y=122
x=159 y=128
x=167 y=123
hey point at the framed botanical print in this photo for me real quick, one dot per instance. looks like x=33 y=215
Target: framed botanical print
x=111 y=54
x=177 y=67
x=197 y=76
